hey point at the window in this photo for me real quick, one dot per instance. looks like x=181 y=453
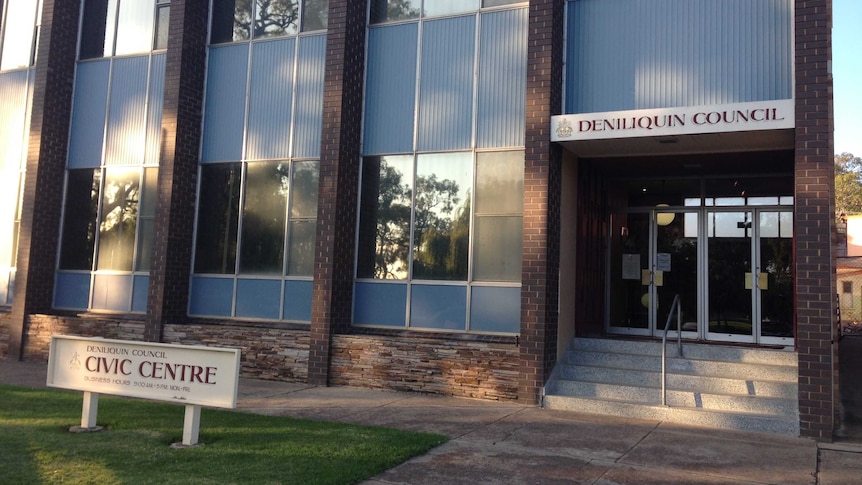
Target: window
x=847 y=287
x=269 y=228
x=20 y=22
x=123 y=27
x=238 y=20
x=108 y=219
x=396 y=10
x=417 y=226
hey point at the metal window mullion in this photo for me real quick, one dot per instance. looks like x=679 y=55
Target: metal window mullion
x=4 y=17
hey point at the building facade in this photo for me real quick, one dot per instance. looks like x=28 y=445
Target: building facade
x=421 y=195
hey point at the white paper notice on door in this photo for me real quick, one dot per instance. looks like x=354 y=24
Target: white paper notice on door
x=631 y=266
x=662 y=262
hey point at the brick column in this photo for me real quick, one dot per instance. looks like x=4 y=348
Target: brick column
x=339 y=178
x=542 y=179
x=46 y=164
x=815 y=273
x=168 y=291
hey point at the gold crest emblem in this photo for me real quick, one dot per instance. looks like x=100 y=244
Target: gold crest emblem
x=564 y=129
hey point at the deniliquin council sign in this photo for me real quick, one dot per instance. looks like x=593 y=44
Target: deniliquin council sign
x=192 y=375
x=689 y=120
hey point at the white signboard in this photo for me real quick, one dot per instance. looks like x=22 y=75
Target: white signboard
x=688 y=120
x=191 y=375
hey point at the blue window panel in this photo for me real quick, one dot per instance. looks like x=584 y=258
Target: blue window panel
x=271 y=99
x=139 y=294
x=390 y=92
x=258 y=298
x=297 y=300
x=211 y=297
x=309 y=96
x=438 y=307
x=88 y=114
x=155 y=101
x=13 y=111
x=72 y=291
x=224 y=106
x=127 y=112
x=380 y=304
x=446 y=84
x=495 y=309
x=112 y=292
x=630 y=54
x=502 y=79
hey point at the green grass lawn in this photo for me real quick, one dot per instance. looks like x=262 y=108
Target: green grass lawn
x=134 y=447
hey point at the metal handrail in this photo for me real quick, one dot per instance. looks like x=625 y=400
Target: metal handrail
x=676 y=304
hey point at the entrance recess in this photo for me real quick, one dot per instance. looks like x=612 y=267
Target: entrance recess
x=729 y=259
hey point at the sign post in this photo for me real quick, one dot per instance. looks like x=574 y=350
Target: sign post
x=194 y=376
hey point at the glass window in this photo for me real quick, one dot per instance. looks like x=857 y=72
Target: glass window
x=384 y=221
x=303 y=218
x=134 y=27
x=19 y=23
x=498 y=228
x=218 y=215
x=79 y=223
x=442 y=216
x=163 y=16
x=275 y=18
x=432 y=8
x=265 y=206
x=394 y=10
x=147 y=215
x=231 y=21
x=115 y=27
x=119 y=219
x=497 y=3
x=315 y=15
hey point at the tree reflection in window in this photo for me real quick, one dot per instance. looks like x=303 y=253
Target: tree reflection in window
x=441 y=231
x=118 y=223
x=384 y=226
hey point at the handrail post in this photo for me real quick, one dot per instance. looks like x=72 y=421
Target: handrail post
x=675 y=304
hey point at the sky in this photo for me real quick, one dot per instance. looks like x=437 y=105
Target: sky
x=847 y=75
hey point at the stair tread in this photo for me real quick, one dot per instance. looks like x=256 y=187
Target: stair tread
x=686 y=408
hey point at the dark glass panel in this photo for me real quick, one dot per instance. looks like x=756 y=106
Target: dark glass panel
x=301 y=257
x=145 y=222
x=79 y=223
x=231 y=21
x=218 y=215
x=303 y=197
x=162 y=20
x=262 y=248
x=93 y=29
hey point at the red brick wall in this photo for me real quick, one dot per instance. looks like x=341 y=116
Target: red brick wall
x=542 y=185
x=814 y=219
x=181 y=134
x=339 y=181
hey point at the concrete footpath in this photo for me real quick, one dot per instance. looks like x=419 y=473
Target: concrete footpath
x=502 y=443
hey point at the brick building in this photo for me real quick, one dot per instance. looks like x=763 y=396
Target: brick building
x=437 y=196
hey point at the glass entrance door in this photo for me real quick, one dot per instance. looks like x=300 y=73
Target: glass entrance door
x=749 y=276
x=654 y=257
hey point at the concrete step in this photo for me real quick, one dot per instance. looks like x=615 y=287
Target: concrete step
x=691 y=416
x=682 y=382
x=720 y=368
x=676 y=397
x=711 y=385
x=690 y=350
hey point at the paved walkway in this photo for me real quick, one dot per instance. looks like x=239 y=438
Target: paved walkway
x=502 y=443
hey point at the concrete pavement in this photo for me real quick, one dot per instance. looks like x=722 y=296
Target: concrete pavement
x=502 y=443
